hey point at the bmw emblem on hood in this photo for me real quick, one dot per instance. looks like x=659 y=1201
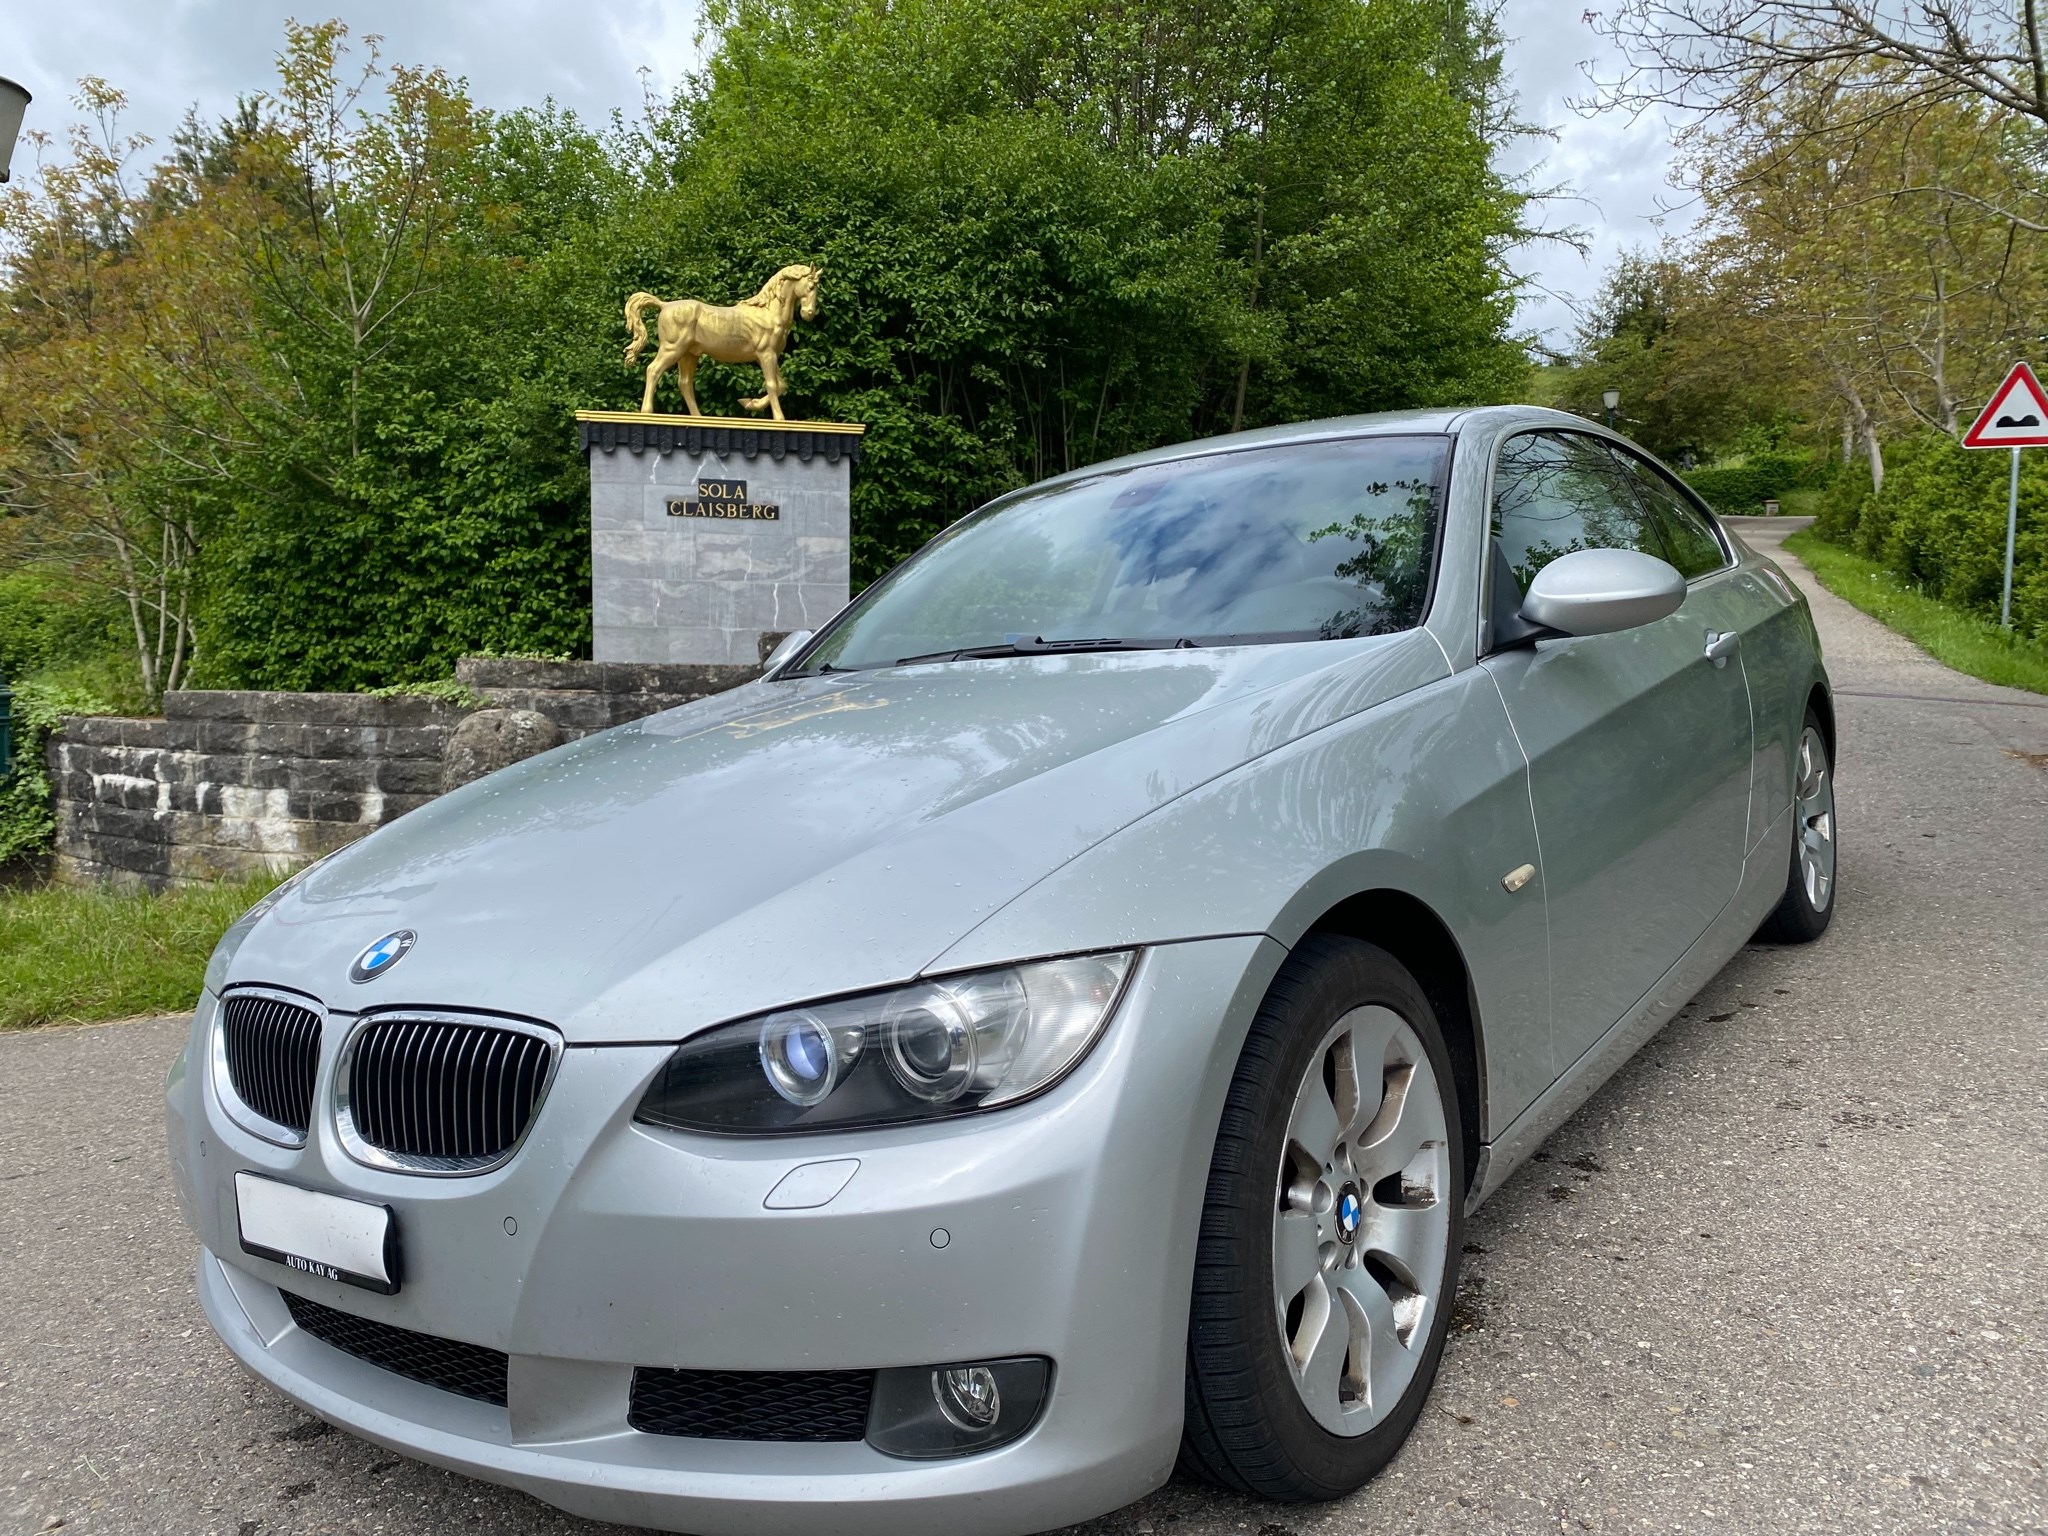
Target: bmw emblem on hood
x=382 y=955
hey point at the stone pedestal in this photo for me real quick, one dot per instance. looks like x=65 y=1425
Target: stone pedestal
x=706 y=533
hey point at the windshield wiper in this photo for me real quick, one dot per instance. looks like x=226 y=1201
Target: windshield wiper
x=1038 y=646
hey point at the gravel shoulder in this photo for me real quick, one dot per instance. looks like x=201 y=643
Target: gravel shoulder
x=1783 y=1274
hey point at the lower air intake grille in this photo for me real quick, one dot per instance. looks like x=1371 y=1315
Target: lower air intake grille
x=468 y=1370
x=272 y=1049
x=752 y=1405
x=443 y=1095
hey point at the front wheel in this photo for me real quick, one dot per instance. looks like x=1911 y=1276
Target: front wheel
x=1809 y=901
x=1330 y=1238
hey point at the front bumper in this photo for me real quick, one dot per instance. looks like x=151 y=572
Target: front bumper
x=1063 y=1228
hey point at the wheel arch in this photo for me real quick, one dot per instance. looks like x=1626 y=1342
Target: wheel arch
x=1409 y=930
x=1822 y=703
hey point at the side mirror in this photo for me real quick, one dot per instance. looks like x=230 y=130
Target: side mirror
x=1600 y=591
x=790 y=644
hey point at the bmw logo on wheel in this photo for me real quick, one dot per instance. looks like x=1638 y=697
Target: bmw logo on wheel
x=382 y=955
x=1349 y=1209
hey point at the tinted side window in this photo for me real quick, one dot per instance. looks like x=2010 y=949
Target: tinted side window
x=1556 y=492
x=1694 y=549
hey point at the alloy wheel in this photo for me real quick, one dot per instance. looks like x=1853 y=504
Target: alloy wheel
x=1361 y=1229
x=1814 y=820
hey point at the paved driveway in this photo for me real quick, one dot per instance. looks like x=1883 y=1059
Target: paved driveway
x=1787 y=1272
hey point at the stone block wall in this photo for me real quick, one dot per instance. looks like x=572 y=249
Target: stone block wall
x=585 y=696
x=227 y=783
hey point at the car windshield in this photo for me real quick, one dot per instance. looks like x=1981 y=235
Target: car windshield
x=1312 y=541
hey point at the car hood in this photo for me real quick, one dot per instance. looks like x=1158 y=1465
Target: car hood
x=790 y=840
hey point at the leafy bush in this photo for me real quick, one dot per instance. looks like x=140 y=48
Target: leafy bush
x=26 y=820
x=1841 y=506
x=1740 y=490
x=45 y=623
x=1939 y=524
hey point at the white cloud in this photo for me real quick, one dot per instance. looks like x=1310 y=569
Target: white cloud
x=1616 y=169
x=168 y=56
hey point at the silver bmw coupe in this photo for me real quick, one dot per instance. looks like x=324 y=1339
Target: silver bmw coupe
x=1052 y=1027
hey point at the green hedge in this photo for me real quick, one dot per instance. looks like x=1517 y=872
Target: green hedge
x=45 y=622
x=1940 y=524
x=1740 y=490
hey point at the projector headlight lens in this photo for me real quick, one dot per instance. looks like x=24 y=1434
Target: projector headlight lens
x=802 y=1057
x=938 y=1047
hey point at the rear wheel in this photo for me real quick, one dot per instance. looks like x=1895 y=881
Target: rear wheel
x=1809 y=901
x=1329 y=1245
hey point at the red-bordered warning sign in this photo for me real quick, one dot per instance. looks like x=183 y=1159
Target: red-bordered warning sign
x=2017 y=416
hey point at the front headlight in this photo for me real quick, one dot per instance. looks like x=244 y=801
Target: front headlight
x=940 y=1047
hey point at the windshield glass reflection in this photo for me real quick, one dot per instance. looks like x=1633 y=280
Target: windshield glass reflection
x=1303 y=542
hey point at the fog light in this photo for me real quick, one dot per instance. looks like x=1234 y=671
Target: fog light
x=968 y=1396
x=955 y=1410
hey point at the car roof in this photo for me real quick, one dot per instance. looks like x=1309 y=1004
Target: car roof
x=1447 y=420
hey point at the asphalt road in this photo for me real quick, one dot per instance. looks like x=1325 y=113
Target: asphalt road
x=1785 y=1273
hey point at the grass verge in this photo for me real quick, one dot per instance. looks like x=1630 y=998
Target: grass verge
x=74 y=956
x=1952 y=637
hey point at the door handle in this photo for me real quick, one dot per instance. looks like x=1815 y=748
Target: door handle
x=1721 y=645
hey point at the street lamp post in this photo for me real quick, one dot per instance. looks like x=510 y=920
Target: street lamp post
x=1611 y=398
x=14 y=102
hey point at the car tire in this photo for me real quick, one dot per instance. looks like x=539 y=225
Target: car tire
x=1803 y=914
x=1266 y=1414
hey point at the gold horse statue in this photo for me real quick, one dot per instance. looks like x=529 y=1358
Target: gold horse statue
x=754 y=330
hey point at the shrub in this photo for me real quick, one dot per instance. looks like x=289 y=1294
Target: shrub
x=26 y=819
x=1939 y=523
x=1841 y=506
x=1741 y=490
x=44 y=624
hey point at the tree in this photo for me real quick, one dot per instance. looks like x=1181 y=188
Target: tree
x=1872 y=59
x=357 y=229
x=1738 y=55
x=1688 y=348
x=1906 y=303
x=1076 y=229
x=1860 y=264
x=1052 y=232
x=118 y=351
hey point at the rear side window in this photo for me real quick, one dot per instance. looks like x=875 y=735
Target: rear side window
x=1695 y=549
x=1555 y=493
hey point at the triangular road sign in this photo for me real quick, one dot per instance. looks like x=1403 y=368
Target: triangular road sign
x=2017 y=416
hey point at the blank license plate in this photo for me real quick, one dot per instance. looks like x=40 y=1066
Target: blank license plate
x=319 y=1234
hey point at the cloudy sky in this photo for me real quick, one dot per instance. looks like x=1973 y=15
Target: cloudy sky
x=169 y=54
